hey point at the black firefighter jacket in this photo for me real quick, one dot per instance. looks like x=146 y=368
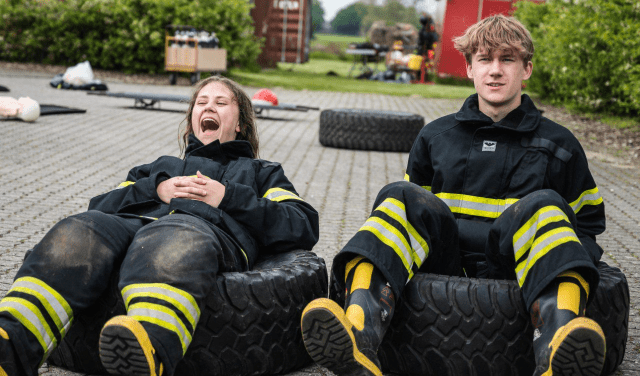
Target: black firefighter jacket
x=479 y=168
x=260 y=211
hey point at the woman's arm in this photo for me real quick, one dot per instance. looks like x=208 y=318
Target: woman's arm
x=140 y=187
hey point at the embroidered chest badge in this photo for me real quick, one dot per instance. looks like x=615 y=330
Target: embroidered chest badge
x=489 y=145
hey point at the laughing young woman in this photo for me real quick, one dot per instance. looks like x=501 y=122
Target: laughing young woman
x=171 y=227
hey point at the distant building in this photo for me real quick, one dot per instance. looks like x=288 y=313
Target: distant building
x=286 y=27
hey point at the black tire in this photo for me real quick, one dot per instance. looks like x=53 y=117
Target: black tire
x=480 y=327
x=250 y=324
x=173 y=78
x=369 y=130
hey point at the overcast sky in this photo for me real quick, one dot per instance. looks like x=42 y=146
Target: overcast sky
x=331 y=7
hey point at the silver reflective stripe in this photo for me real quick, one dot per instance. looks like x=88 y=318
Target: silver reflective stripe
x=589 y=197
x=274 y=193
x=393 y=238
x=415 y=244
x=146 y=289
x=474 y=208
x=531 y=232
x=542 y=246
x=51 y=300
x=162 y=316
x=33 y=319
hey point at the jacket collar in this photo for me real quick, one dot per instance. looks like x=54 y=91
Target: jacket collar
x=525 y=118
x=218 y=151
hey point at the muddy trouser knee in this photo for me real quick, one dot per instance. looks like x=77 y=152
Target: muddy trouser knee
x=168 y=271
x=409 y=229
x=66 y=272
x=536 y=239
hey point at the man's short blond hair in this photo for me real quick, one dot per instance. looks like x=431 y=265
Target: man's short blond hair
x=497 y=32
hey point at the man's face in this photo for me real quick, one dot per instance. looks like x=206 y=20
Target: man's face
x=498 y=78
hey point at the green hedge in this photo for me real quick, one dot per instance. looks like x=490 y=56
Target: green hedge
x=126 y=35
x=587 y=53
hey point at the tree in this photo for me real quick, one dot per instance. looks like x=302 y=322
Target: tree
x=349 y=20
x=317 y=16
x=392 y=12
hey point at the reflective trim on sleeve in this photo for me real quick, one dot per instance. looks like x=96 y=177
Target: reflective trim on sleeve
x=279 y=194
x=524 y=237
x=541 y=246
x=183 y=301
x=407 y=178
x=31 y=318
x=590 y=197
x=477 y=206
x=390 y=236
x=125 y=184
x=396 y=210
x=55 y=305
x=164 y=317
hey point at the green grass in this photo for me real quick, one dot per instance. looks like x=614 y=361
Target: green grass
x=620 y=122
x=312 y=76
x=341 y=40
x=322 y=67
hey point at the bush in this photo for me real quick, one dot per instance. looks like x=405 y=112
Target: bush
x=125 y=35
x=587 y=53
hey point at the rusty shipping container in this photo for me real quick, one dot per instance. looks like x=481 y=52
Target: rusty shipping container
x=285 y=26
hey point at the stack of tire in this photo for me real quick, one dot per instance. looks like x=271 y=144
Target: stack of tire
x=453 y=326
x=250 y=323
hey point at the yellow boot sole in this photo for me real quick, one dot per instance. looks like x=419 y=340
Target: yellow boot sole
x=330 y=342
x=578 y=349
x=125 y=348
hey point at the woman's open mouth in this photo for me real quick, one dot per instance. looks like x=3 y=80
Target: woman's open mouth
x=209 y=124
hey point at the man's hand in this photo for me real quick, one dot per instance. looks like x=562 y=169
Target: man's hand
x=198 y=188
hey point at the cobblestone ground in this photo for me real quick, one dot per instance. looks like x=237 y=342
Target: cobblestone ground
x=51 y=168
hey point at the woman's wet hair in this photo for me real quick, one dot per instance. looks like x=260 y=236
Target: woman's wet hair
x=248 y=129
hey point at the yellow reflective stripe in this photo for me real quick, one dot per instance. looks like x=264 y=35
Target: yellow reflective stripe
x=53 y=303
x=576 y=275
x=590 y=197
x=474 y=205
x=279 y=194
x=391 y=237
x=524 y=237
x=407 y=178
x=542 y=246
x=183 y=301
x=396 y=209
x=350 y=266
x=126 y=184
x=164 y=317
x=30 y=316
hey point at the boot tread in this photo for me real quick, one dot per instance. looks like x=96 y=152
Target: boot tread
x=125 y=349
x=329 y=341
x=579 y=349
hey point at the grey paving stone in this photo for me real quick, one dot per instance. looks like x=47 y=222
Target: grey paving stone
x=51 y=168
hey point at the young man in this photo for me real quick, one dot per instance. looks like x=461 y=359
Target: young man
x=494 y=191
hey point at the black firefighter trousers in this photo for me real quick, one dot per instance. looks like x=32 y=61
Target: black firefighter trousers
x=411 y=230
x=167 y=268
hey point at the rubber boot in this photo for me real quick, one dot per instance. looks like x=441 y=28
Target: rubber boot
x=346 y=340
x=565 y=342
x=125 y=348
x=8 y=362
